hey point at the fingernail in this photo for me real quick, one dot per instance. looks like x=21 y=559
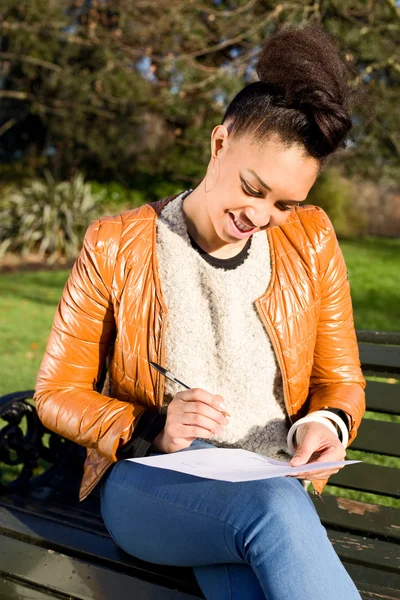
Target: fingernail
x=222 y=405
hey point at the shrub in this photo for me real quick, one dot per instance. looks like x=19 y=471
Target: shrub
x=335 y=194
x=47 y=218
x=166 y=188
x=7 y=225
x=114 y=197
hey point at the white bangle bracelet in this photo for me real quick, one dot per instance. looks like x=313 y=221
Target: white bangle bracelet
x=319 y=416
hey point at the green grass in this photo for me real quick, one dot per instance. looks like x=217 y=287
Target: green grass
x=374 y=267
x=27 y=305
x=28 y=302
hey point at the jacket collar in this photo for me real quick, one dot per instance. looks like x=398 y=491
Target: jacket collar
x=158 y=205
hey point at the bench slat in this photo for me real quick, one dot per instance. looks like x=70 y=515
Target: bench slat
x=356 y=516
x=14 y=590
x=369 y=478
x=80 y=579
x=383 y=397
x=374 y=584
x=379 y=358
x=369 y=552
x=380 y=437
x=378 y=337
x=94 y=545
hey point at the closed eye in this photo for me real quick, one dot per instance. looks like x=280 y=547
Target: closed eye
x=251 y=192
x=290 y=207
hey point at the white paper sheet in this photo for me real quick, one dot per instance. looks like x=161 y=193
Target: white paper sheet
x=228 y=464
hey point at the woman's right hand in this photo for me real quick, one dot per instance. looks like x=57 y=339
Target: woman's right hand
x=191 y=414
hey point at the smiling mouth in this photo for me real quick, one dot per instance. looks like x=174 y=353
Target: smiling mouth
x=240 y=225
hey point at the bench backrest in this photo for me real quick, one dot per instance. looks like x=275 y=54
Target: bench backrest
x=379 y=433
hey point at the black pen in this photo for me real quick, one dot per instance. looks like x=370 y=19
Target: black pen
x=171 y=377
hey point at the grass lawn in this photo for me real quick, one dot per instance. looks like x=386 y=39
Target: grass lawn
x=374 y=273
x=27 y=305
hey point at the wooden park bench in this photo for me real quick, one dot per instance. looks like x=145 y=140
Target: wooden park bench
x=52 y=546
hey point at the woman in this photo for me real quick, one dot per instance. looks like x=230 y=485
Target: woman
x=240 y=289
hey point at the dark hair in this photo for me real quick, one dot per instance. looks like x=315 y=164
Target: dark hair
x=303 y=93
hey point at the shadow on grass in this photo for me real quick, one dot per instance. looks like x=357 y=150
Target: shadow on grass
x=41 y=287
x=383 y=248
x=383 y=310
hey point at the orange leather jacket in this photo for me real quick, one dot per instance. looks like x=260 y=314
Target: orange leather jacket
x=112 y=306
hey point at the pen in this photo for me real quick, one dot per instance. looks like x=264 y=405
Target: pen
x=169 y=375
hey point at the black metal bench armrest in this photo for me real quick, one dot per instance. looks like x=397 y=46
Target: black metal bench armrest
x=26 y=443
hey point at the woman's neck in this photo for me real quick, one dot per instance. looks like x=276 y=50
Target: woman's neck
x=201 y=229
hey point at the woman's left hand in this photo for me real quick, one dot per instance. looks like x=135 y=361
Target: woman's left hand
x=316 y=443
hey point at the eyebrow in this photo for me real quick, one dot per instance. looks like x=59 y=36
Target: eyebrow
x=264 y=185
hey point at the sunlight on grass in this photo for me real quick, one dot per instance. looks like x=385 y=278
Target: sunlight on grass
x=381 y=416
x=27 y=305
x=373 y=459
x=372 y=263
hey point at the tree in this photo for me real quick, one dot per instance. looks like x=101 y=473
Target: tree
x=131 y=90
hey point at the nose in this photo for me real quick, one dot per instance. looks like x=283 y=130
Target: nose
x=260 y=217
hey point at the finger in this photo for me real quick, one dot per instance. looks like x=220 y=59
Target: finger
x=305 y=450
x=200 y=395
x=191 y=407
x=193 y=431
x=336 y=454
x=199 y=420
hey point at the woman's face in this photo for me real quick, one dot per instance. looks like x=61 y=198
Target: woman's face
x=254 y=187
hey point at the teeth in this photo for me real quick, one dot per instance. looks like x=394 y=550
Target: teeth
x=240 y=225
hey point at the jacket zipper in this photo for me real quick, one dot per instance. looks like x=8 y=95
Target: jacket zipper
x=278 y=354
x=160 y=384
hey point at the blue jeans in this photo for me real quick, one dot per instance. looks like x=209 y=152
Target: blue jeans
x=248 y=540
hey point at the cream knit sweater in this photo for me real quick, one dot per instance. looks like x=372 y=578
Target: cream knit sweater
x=215 y=339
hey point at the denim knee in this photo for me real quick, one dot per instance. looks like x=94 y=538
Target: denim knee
x=272 y=509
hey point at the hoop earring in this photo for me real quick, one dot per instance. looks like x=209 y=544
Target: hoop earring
x=212 y=176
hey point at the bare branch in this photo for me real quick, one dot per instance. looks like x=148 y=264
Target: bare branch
x=7 y=125
x=236 y=39
x=64 y=108
x=14 y=94
x=200 y=84
x=377 y=65
x=226 y=13
x=394 y=8
x=31 y=60
x=57 y=105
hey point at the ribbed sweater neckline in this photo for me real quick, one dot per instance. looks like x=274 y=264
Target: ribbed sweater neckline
x=223 y=263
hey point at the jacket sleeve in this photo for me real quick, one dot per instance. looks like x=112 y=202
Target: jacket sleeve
x=336 y=378
x=141 y=443
x=83 y=328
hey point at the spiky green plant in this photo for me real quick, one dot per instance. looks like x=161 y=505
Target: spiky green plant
x=47 y=217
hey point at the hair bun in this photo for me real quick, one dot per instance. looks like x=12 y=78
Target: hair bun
x=302 y=69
